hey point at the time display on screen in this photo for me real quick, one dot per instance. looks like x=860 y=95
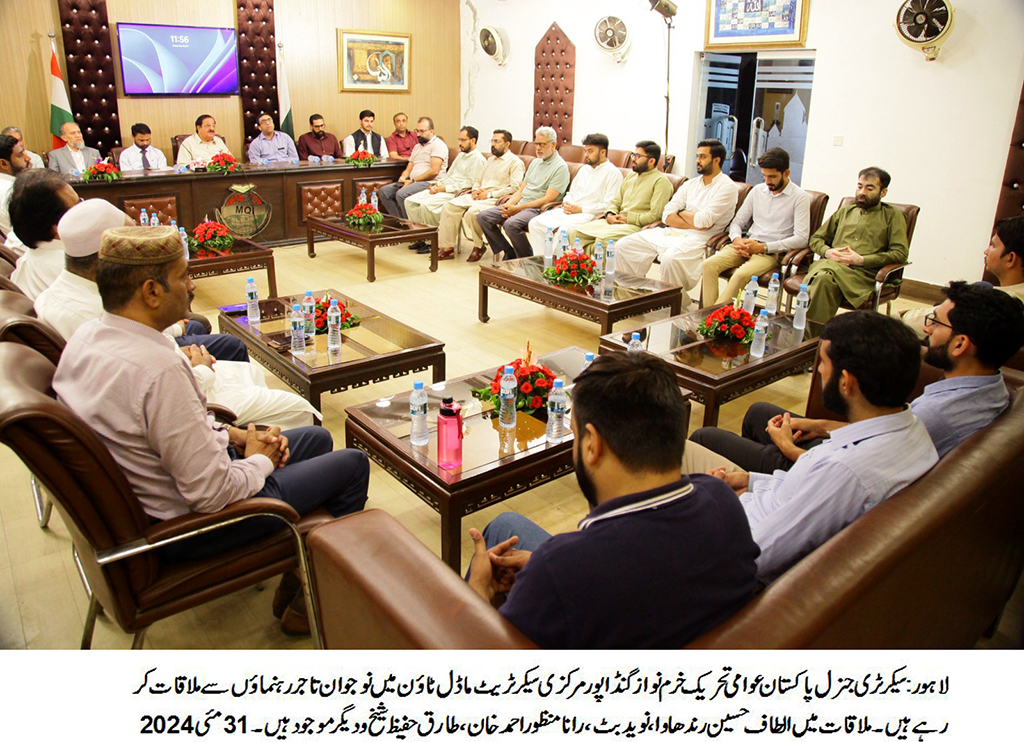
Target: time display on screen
x=179 y=39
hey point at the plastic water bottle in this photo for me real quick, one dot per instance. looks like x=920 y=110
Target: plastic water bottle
x=598 y=257
x=252 y=301
x=562 y=245
x=577 y=246
x=418 y=433
x=635 y=346
x=333 y=326
x=143 y=218
x=609 y=263
x=800 y=308
x=760 y=335
x=556 y=412
x=772 y=305
x=174 y=224
x=362 y=195
x=154 y=220
x=588 y=358
x=750 y=295
x=184 y=240
x=297 y=322
x=549 y=248
x=309 y=315
x=373 y=199
x=507 y=399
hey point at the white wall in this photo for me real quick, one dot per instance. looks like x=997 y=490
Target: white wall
x=940 y=128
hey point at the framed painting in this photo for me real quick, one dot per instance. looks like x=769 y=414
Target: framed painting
x=755 y=24
x=374 y=62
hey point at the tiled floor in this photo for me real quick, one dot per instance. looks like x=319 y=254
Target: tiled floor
x=42 y=602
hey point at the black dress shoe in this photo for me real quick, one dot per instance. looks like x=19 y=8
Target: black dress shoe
x=425 y=250
x=418 y=245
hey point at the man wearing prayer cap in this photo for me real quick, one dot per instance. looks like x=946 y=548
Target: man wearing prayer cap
x=127 y=381
x=74 y=298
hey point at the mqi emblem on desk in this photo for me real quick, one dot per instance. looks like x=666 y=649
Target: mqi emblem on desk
x=244 y=212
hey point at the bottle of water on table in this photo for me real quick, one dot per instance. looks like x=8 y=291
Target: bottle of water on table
x=760 y=335
x=772 y=304
x=609 y=263
x=556 y=412
x=154 y=219
x=334 y=326
x=800 y=308
x=588 y=358
x=750 y=295
x=362 y=195
x=418 y=433
x=252 y=301
x=598 y=257
x=143 y=218
x=373 y=199
x=562 y=245
x=184 y=240
x=507 y=399
x=297 y=322
x=549 y=248
x=309 y=316
x=635 y=346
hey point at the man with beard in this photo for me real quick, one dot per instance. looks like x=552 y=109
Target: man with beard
x=501 y=175
x=590 y=195
x=425 y=207
x=700 y=209
x=317 y=141
x=13 y=159
x=776 y=216
x=869 y=365
x=641 y=198
x=660 y=559
x=75 y=156
x=428 y=161
x=14 y=131
x=855 y=242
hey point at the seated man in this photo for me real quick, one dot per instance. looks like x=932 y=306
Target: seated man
x=856 y=241
x=38 y=200
x=969 y=337
x=13 y=160
x=201 y=147
x=402 y=141
x=365 y=138
x=501 y=175
x=546 y=181
x=776 y=216
x=142 y=156
x=427 y=162
x=425 y=206
x=660 y=559
x=126 y=380
x=317 y=141
x=274 y=146
x=14 y=131
x=869 y=365
x=74 y=156
x=699 y=209
x=639 y=202
x=590 y=194
x=73 y=299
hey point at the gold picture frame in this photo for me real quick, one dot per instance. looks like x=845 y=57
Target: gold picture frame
x=740 y=25
x=375 y=62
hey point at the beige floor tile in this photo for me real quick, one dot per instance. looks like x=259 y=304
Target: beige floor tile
x=49 y=613
x=11 y=634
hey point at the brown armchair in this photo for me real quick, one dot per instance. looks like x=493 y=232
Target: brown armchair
x=115 y=541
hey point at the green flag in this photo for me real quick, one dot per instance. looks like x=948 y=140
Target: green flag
x=284 y=101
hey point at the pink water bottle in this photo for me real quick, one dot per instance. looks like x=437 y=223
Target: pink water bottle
x=449 y=434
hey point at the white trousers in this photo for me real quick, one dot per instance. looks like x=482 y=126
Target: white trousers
x=680 y=251
x=425 y=207
x=242 y=388
x=556 y=219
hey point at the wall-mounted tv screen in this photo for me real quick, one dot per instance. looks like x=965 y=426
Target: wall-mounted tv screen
x=177 y=60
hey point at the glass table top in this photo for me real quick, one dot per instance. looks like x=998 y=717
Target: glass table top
x=623 y=288
x=391 y=225
x=375 y=335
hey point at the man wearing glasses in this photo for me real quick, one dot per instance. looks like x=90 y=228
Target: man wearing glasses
x=546 y=182
x=428 y=162
x=318 y=141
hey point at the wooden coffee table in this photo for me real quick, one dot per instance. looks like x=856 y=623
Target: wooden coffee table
x=630 y=295
x=245 y=255
x=391 y=231
x=715 y=371
x=378 y=349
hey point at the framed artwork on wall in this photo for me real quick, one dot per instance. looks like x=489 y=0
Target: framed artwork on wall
x=755 y=24
x=374 y=62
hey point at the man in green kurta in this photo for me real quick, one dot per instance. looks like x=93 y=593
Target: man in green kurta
x=854 y=243
x=642 y=198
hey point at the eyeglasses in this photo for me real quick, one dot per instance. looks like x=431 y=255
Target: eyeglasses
x=423 y=131
x=932 y=319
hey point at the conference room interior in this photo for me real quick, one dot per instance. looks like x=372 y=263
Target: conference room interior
x=941 y=128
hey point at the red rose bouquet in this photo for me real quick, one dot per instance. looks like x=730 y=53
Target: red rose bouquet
x=364 y=215
x=320 y=315
x=223 y=163
x=533 y=381
x=575 y=268
x=362 y=158
x=105 y=171
x=210 y=239
x=728 y=323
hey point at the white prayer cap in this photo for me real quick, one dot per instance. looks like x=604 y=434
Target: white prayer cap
x=82 y=226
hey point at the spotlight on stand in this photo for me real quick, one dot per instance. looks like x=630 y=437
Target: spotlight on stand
x=667 y=9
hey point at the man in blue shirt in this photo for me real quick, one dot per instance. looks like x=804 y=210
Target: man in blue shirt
x=660 y=559
x=274 y=146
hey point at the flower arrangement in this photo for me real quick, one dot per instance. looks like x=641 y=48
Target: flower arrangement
x=728 y=323
x=320 y=315
x=210 y=239
x=361 y=158
x=105 y=171
x=223 y=163
x=575 y=268
x=364 y=215
x=534 y=380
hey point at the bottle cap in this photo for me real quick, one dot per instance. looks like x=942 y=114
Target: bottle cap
x=636 y=335
x=775 y=275
x=558 y=384
x=589 y=356
x=250 y=280
x=334 y=302
x=309 y=293
x=803 y=287
x=509 y=370
x=447 y=400
x=296 y=307
x=764 y=312
x=417 y=384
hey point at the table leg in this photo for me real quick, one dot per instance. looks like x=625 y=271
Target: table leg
x=677 y=304
x=438 y=365
x=371 y=275
x=606 y=322
x=710 y=410
x=451 y=537
x=433 y=254
x=482 y=308
x=309 y=243
x=272 y=277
